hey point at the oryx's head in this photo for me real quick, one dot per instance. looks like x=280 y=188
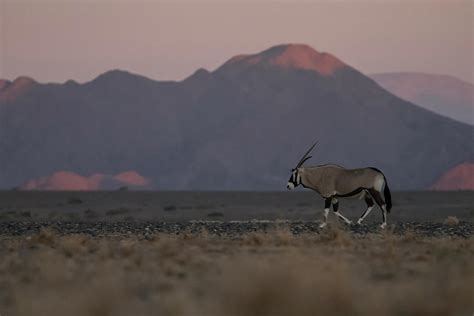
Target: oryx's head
x=295 y=178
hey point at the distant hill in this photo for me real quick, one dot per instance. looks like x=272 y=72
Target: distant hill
x=240 y=127
x=11 y=90
x=460 y=177
x=70 y=181
x=442 y=94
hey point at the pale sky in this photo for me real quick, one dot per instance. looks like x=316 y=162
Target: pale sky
x=53 y=41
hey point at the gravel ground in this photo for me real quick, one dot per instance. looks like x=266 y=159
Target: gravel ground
x=147 y=229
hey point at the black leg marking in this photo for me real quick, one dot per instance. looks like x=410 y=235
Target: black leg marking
x=327 y=202
x=327 y=206
x=377 y=197
x=369 y=201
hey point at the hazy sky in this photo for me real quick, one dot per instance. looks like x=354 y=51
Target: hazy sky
x=60 y=40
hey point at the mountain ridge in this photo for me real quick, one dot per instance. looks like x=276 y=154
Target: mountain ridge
x=292 y=56
x=233 y=130
x=443 y=94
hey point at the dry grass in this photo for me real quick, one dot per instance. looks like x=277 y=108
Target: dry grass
x=334 y=273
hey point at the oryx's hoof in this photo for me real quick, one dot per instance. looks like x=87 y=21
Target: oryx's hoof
x=383 y=225
x=323 y=225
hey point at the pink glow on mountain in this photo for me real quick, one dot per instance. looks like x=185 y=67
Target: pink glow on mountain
x=292 y=56
x=132 y=178
x=460 y=177
x=61 y=180
x=304 y=57
x=70 y=181
x=11 y=90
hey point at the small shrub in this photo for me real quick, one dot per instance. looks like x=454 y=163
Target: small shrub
x=25 y=214
x=73 y=245
x=215 y=214
x=255 y=239
x=90 y=213
x=337 y=236
x=72 y=217
x=170 y=208
x=46 y=236
x=117 y=211
x=205 y=207
x=451 y=221
x=74 y=200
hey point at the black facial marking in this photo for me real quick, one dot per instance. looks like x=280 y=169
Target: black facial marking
x=294 y=177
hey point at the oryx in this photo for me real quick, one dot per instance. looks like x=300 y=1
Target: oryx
x=333 y=181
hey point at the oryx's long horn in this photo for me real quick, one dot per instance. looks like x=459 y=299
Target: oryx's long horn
x=304 y=158
x=301 y=163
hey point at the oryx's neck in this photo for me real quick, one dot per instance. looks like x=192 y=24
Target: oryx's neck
x=310 y=177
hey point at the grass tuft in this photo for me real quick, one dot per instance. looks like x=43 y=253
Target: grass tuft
x=451 y=221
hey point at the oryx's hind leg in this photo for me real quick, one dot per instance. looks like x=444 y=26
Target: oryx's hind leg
x=381 y=203
x=370 y=205
x=335 y=207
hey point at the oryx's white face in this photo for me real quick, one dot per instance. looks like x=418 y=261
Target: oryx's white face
x=294 y=181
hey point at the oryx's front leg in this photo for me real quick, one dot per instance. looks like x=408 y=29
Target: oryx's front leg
x=335 y=207
x=327 y=206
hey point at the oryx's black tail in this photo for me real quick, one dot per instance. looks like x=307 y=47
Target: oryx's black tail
x=387 y=195
x=386 y=192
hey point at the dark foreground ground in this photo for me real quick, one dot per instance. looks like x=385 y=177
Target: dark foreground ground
x=236 y=254
x=222 y=206
x=223 y=213
x=451 y=227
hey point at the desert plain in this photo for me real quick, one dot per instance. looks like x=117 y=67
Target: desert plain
x=232 y=253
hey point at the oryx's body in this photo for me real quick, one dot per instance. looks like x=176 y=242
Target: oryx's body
x=333 y=181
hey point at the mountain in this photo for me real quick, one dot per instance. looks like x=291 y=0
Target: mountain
x=9 y=91
x=242 y=126
x=442 y=94
x=460 y=177
x=290 y=57
x=70 y=181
